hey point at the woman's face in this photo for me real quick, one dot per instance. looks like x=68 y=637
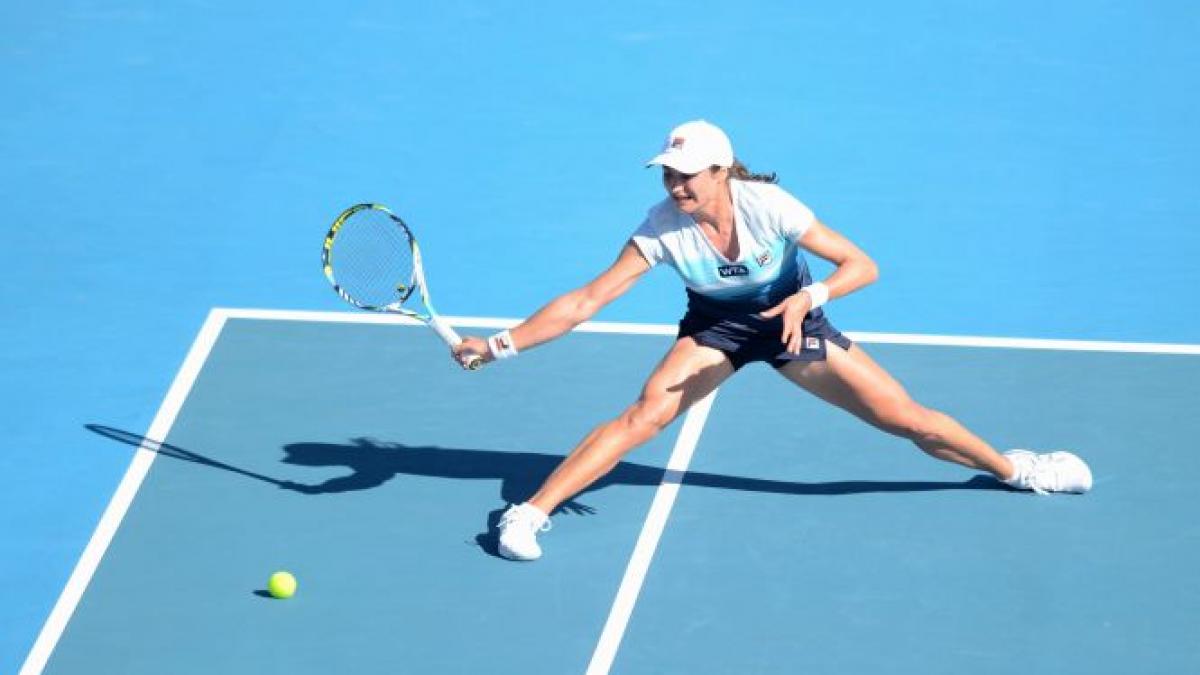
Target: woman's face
x=695 y=192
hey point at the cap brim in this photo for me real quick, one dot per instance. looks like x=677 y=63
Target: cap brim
x=679 y=162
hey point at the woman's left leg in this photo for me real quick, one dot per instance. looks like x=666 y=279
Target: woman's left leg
x=851 y=380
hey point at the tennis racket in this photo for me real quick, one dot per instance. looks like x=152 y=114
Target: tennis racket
x=372 y=259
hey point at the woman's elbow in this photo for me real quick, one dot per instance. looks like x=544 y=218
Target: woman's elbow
x=582 y=306
x=870 y=271
x=584 y=310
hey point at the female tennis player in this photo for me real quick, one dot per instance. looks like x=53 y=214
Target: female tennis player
x=735 y=239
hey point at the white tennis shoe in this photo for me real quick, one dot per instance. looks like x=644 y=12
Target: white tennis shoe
x=519 y=527
x=1050 y=472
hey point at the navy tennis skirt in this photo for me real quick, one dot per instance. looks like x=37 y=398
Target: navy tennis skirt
x=748 y=338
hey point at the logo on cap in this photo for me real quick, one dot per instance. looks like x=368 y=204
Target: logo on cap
x=677 y=143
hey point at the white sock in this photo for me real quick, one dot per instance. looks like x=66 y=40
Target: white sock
x=1015 y=479
x=1015 y=474
x=540 y=515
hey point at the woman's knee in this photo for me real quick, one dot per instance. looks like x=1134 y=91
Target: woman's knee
x=911 y=420
x=648 y=416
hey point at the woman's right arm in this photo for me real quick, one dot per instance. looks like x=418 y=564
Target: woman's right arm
x=566 y=311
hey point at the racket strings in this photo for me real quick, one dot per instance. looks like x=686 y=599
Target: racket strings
x=372 y=259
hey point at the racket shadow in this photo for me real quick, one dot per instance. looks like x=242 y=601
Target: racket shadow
x=174 y=451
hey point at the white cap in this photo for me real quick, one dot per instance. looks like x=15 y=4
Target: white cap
x=694 y=146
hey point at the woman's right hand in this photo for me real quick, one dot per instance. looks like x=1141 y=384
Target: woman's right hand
x=469 y=347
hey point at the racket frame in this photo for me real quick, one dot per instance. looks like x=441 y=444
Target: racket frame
x=416 y=282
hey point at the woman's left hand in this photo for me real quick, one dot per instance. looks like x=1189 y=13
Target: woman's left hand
x=793 y=309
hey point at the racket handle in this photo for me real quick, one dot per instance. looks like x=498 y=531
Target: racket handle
x=474 y=362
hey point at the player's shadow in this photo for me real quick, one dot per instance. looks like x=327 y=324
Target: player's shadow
x=372 y=463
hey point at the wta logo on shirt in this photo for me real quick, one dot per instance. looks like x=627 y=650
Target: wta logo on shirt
x=727 y=271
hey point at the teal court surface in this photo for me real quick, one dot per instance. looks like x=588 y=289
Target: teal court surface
x=1017 y=169
x=764 y=532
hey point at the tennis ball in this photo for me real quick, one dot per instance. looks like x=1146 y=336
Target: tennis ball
x=281 y=585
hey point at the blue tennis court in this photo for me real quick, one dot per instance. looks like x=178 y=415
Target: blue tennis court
x=793 y=537
x=1023 y=174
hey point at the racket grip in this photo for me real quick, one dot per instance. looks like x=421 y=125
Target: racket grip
x=450 y=337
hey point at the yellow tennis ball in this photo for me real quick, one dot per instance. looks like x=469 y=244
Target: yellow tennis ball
x=281 y=585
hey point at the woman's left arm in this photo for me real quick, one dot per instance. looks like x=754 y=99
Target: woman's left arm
x=855 y=269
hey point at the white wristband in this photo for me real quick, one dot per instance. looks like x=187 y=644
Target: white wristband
x=501 y=345
x=819 y=293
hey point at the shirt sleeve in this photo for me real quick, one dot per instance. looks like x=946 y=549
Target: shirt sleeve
x=648 y=241
x=793 y=217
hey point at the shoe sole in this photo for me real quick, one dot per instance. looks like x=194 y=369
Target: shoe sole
x=510 y=555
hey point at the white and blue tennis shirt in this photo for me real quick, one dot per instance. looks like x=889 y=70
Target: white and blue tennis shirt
x=770 y=267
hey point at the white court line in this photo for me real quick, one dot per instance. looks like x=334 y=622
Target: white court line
x=68 y=600
x=85 y=568
x=1024 y=343
x=670 y=329
x=474 y=321
x=647 y=543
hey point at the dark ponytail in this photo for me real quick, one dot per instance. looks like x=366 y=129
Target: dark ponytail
x=739 y=172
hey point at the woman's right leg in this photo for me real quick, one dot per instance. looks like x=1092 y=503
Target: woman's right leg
x=688 y=373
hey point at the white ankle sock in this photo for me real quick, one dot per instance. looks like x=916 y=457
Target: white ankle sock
x=542 y=517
